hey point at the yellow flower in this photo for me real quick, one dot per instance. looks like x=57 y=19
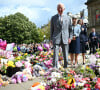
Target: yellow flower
x=87 y=67
x=51 y=53
x=71 y=81
x=11 y=64
x=25 y=54
x=41 y=87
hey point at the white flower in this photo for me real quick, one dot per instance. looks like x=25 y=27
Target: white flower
x=83 y=67
x=43 y=83
x=98 y=60
x=84 y=81
x=98 y=64
x=84 y=89
x=80 y=84
x=49 y=82
x=55 y=75
x=53 y=80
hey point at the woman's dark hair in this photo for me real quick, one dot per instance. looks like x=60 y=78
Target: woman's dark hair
x=79 y=21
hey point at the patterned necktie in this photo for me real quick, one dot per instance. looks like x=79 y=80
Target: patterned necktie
x=61 y=19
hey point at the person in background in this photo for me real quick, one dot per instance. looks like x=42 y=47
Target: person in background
x=31 y=49
x=74 y=46
x=23 y=48
x=93 y=41
x=35 y=48
x=83 y=39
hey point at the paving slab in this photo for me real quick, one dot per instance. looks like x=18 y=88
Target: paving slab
x=21 y=86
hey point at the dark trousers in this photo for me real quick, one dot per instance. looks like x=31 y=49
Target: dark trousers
x=93 y=47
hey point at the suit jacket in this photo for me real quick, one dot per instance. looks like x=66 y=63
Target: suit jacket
x=91 y=37
x=61 y=31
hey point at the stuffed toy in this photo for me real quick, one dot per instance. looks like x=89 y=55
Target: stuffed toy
x=38 y=70
x=18 y=78
x=37 y=86
x=3 y=83
x=27 y=72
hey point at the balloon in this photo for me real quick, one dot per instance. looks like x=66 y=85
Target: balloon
x=13 y=44
x=18 y=48
x=40 y=48
x=0 y=40
x=10 y=47
x=3 y=45
x=47 y=46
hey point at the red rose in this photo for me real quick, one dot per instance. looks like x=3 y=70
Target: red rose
x=99 y=80
x=67 y=86
x=73 y=85
x=87 y=85
x=88 y=89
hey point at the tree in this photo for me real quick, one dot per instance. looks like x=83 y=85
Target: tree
x=46 y=30
x=17 y=28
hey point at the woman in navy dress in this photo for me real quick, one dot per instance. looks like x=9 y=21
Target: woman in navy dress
x=74 y=46
x=83 y=39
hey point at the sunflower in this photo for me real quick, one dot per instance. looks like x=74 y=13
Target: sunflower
x=71 y=81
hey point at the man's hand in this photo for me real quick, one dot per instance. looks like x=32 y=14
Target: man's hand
x=69 y=41
x=74 y=37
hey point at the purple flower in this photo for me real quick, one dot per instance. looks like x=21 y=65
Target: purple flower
x=49 y=78
x=47 y=87
x=40 y=48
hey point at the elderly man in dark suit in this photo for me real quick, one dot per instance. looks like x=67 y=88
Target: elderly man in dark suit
x=61 y=34
x=93 y=41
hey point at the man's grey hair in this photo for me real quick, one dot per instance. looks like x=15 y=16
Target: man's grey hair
x=61 y=4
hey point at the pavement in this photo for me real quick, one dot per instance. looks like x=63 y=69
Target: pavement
x=21 y=86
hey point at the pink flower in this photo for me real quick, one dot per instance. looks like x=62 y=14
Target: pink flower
x=23 y=62
x=40 y=48
x=18 y=64
x=36 y=58
x=41 y=60
x=49 y=62
x=72 y=72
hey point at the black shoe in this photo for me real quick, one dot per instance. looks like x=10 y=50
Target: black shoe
x=83 y=63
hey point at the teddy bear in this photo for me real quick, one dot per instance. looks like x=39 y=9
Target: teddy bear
x=38 y=71
x=27 y=72
x=3 y=83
